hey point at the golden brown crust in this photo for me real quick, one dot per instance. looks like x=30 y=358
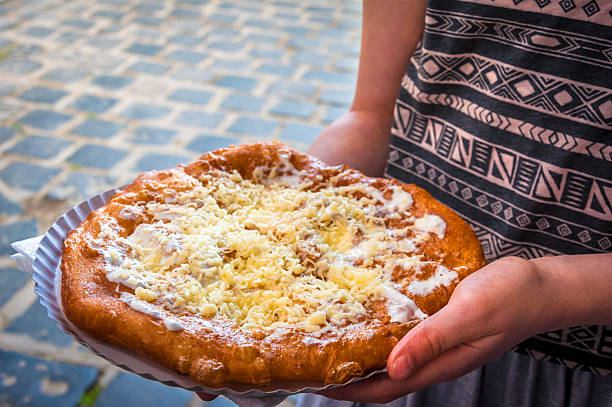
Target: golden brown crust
x=214 y=352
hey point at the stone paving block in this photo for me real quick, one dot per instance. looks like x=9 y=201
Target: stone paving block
x=334 y=113
x=310 y=58
x=121 y=392
x=38 y=32
x=95 y=104
x=152 y=135
x=148 y=7
x=253 y=22
x=266 y=38
x=190 y=57
x=111 y=82
x=149 y=67
x=292 y=90
x=77 y=23
x=226 y=46
x=297 y=30
x=197 y=97
x=27 y=176
x=336 y=97
x=42 y=95
x=7 y=89
x=220 y=402
x=222 y=32
x=8 y=109
x=65 y=75
x=330 y=77
x=159 y=162
x=302 y=110
x=193 y=75
x=79 y=186
x=259 y=127
x=103 y=42
x=147 y=20
x=199 y=119
x=6 y=133
x=33 y=382
x=185 y=39
x=186 y=26
x=300 y=132
x=13 y=232
x=141 y=111
x=11 y=280
x=37 y=325
x=8 y=207
x=26 y=50
x=270 y=53
x=97 y=128
x=205 y=143
x=221 y=18
x=192 y=2
x=347 y=48
x=185 y=13
x=91 y=155
x=346 y=64
x=39 y=146
x=144 y=49
x=287 y=16
x=69 y=37
x=277 y=70
x=110 y=14
x=244 y=103
x=45 y=119
x=302 y=43
x=237 y=82
x=18 y=65
x=231 y=64
x=321 y=19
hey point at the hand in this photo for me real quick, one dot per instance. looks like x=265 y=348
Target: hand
x=206 y=396
x=359 y=139
x=489 y=312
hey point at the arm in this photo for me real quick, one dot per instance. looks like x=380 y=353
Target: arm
x=490 y=311
x=391 y=31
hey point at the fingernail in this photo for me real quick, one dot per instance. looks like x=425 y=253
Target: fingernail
x=401 y=368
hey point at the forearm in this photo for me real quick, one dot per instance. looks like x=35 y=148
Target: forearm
x=580 y=288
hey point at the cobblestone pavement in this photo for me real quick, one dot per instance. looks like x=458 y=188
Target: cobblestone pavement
x=93 y=92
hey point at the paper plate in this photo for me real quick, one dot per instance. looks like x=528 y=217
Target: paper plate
x=47 y=275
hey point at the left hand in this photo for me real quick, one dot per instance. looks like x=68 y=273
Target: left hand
x=490 y=311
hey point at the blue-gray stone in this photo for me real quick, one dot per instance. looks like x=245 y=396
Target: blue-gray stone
x=300 y=132
x=303 y=110
x=288 y=16
x=103 y=42
x=97 y=128
x=199 y=119
x=152 y=135
x=297 y=30
x=191 y=96
x=79 y=186
x=37 y=325
x=18 y=65
x=278 y=70
x=259 y=127
x=336 y=97
x=91 y=155
x=27 y=176
x=292 y=90
x=65 y=75
x=11 y=280
x=223 y=32
x=191 y=57
x=334 y=33
x=30 y=372
x=39 y=146
x=202 y=144
x=322 y=19
x=6 y=133
x=221 y=402
x=148 y=7
x=347 y=48
x=334 y=113
x=226 y=46
x=253 y=22
x=26 y=50
x=310 y=58
x=193 y=75
x=113 y=15
x=38 y=32
x=77 y=23
x=243 y=102
x=231 y=64
x=271 y=39
x=147 y=20
x=95 y=104
x=159 y=162
x=45 y=119
x=193 y=2
x=270 y=53
x=69 y=37
x=13 y=232
x=141 y=111
x=304 y=43
x=8 y=207
x=184 y=13
x=144 y=49
x=7 y=89
x=150 y=68
x=330 y=77
x=111 y=82
x=319 y=9
x=185 y=39
x=130 y=390
x=346 y=64
x=222 y=18
x=42 y=95
x=237 y=82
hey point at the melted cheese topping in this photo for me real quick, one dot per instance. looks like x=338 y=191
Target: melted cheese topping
x=266 y=252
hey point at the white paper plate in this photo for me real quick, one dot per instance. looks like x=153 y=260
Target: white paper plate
x=47 y=275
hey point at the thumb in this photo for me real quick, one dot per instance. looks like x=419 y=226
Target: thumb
x=453 y=325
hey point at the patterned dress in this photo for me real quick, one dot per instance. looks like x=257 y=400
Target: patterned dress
x=505 y=115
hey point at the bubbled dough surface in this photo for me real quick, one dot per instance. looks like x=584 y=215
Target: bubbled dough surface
x=214 y=352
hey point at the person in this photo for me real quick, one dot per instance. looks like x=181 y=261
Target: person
x=505 y=115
